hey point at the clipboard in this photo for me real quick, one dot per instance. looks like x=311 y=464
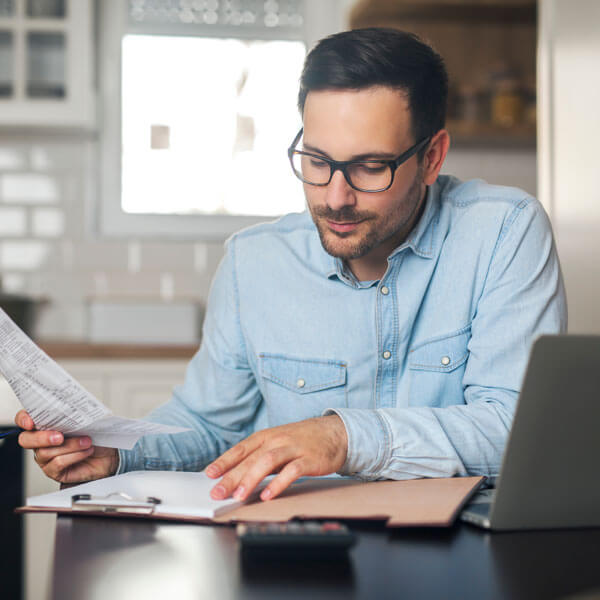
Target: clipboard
x=181 y=496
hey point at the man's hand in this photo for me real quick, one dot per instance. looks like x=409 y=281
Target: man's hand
x=71 y=460
x=313 y=447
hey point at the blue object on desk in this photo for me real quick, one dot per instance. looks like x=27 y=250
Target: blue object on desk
x=11 y=432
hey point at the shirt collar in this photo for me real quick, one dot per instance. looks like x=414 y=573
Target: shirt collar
x=421 y=239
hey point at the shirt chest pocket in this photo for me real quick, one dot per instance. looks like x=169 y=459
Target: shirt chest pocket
x=299 y=388
x=437 y=367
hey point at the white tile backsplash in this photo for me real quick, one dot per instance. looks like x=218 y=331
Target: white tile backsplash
x=167 y=256
x=40 y=159
x=151 y=322
x=13 y=221
x=62 y=320
x=11 y=159
x=27 y=255
x=200 y=257
x=101 y=255
x=134 y=257
x=47 y=222
x=28 y=188
x=13 y=283
x=57 y=155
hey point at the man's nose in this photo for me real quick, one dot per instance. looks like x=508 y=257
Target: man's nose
x=339 y=192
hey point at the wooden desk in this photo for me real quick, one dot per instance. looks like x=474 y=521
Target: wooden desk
x=142 y=560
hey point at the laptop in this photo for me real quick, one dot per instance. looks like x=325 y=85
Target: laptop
x=550 y=474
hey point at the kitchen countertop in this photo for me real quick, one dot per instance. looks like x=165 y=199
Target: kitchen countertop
x=60 y=350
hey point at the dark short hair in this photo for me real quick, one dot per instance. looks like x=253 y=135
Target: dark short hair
x=375 y=56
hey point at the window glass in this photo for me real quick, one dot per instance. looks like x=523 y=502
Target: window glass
x=206 y=123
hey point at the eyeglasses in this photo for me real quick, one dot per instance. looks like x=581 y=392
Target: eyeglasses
x=372 y=175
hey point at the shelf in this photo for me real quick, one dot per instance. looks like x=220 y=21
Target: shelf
x=485 y=134
x=376 y=12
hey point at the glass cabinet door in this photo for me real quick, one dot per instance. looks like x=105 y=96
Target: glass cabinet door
x=45 y=51
x=45 y=65
x=7 y=61
x=7 y=8
x=33 y=49
x=46 y=9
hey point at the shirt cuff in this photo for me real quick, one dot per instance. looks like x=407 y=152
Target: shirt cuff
x=130 y=460
x=369 y=442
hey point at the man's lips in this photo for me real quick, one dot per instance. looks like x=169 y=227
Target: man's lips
x=343 y=226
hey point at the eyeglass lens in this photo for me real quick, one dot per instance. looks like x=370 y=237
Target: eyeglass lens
x=363 y=175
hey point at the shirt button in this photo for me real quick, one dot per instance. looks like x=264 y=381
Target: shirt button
x=387 y=354
x=445 y=360
x=300 y=383
x=385 y=291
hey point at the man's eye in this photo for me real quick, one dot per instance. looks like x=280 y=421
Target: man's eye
x=318 y=164
x=370 y=168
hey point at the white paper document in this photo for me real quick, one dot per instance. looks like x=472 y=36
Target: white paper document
x=183 y=494
x=55 y=401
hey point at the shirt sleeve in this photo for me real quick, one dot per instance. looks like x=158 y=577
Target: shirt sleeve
x=523 y=297
x=219 y=397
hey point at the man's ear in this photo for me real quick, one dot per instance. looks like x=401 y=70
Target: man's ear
x=435 y=156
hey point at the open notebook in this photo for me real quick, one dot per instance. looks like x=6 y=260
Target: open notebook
x=185 y=496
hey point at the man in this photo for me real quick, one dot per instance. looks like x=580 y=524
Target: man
x=383 y=335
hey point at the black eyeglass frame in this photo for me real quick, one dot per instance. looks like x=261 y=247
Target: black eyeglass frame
x=342 y=165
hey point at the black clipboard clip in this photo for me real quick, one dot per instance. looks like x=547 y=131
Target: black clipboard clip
x=115 y=502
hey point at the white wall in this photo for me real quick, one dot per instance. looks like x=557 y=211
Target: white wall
x=569 y=92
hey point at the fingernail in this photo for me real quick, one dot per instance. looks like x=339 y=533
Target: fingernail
x=266 y=494
x=56 y=438
x=84 y=442
x=218 y=492
x=239 y=493
x=212 y=471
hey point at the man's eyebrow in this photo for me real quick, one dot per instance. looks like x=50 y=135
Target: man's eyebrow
x=363 y=156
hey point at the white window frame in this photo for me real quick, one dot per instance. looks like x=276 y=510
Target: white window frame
x=321 y=19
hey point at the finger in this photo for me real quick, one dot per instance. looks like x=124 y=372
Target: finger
x=44 y=455
x=233 y=456
x=292 y=471
x=40 y=439
x=24 y=421
x=264 y=464
x=56 y=467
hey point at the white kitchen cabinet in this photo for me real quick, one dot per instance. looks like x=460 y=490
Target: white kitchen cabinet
x=46 y=64
x=130 y=388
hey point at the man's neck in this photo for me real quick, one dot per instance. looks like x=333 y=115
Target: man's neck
x=373 y=265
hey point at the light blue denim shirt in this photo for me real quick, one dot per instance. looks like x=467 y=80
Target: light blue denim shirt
x=423 y=366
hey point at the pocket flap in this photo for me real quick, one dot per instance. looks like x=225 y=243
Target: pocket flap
x=442 y=353
x=302 y=375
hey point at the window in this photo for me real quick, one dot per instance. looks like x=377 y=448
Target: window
x=209 y=136
x=199 y=107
